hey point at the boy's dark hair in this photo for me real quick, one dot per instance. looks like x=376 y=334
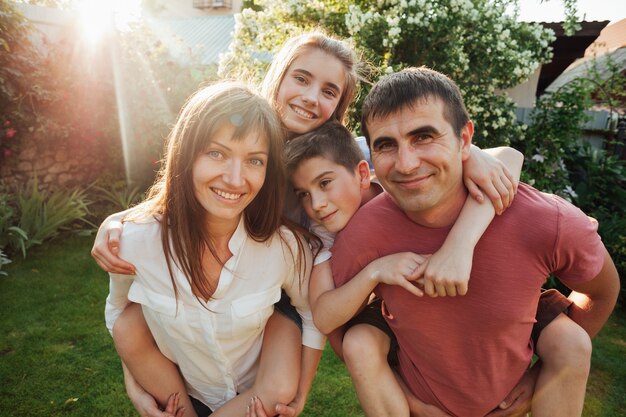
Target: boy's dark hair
x=331 y=141
x=409 y=87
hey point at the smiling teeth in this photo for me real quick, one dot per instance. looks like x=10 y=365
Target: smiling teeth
x=225 y=195
x=303 y=113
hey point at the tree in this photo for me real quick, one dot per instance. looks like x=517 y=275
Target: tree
x=477 y=43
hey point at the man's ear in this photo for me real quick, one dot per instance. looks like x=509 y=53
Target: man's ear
x=466 y=139
x=363 y=171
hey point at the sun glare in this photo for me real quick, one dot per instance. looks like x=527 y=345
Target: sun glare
x=97 y=17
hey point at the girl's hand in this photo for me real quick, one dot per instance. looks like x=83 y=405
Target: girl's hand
x=483 y=173
x=398 y=269
x=106 y=246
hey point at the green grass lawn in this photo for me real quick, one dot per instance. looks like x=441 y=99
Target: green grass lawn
x=57 y=359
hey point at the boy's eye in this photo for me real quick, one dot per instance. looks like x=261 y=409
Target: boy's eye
x=324 y=183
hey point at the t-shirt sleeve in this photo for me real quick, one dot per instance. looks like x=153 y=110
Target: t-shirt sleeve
x=327 y=238
x=350 y=254
x=579 y=251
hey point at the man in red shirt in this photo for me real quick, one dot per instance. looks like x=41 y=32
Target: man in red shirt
x=463 y=354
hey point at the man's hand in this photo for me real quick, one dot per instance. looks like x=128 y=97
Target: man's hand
x=398 y=269
x=517 y=403
x=256 y=409
x=147 y=406
x=427 y=410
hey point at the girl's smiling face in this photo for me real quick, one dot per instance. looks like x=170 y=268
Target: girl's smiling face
x=310 y=91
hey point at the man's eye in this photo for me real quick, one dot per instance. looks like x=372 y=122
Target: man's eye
x=383 y=146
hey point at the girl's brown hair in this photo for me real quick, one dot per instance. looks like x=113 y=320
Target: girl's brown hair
x=297 y=46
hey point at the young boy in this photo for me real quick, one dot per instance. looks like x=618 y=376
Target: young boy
x=332 y=180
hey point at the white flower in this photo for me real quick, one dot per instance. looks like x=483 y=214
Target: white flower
x=570 y=191
x=538 y=158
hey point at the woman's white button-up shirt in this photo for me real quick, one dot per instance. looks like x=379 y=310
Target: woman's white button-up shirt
x=215 y=344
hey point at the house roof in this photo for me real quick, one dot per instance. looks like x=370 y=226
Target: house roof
x=582 y=67
x=205 y=37
x=567 y=49
x=611 y=37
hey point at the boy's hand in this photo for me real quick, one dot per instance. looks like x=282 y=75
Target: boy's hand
x=106 y=247
x=446 y=272
x=483 y=173
x=398 y=269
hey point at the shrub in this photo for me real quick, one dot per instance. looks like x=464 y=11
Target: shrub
x=42 y=214
x=476 y=43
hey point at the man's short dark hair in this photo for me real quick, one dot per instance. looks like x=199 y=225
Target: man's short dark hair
x=331 y=141
x=409 y=87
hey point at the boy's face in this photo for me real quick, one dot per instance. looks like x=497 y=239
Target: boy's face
x=329 y=192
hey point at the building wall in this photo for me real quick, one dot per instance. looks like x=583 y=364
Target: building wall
x=185 y=8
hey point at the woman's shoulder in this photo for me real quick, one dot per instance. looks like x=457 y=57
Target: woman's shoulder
x=141 y=230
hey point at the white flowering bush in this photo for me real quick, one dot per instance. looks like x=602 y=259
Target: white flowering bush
x=475 y=42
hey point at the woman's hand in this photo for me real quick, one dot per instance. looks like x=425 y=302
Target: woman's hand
x=147 y=406
x=483 y=173
x=106 y=246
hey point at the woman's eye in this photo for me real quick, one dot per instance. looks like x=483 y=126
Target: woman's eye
x=257 y=162
x=214 y=154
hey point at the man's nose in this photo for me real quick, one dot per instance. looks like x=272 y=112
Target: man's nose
x=408 y=159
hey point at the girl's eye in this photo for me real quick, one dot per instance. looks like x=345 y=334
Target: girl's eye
x=301 y=194
x=330 y=93
x=299 y=78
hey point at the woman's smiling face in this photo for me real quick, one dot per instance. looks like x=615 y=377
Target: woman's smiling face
x=229 y=173
x=310 y=91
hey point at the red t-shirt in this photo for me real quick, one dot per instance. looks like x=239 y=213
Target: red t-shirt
x=465 y=354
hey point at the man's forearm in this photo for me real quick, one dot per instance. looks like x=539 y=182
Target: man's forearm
x=594 y=301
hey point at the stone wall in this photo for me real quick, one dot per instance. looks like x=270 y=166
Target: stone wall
x=65 y=164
